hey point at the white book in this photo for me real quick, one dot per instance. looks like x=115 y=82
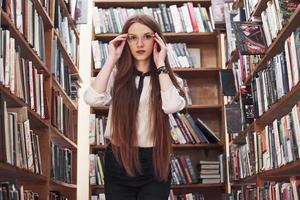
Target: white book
x=96 y=54
x=266 y=27
x=92 y=169
x=97 y=20
x=199 y=20
x=6 y=57
x=102 y=140
x=195 y=54
x=294 y=63
x=176 y=19
x=92 y=128
x=186 y=18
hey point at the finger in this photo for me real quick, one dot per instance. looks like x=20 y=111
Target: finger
x=155 y=48
x=122 y=44
x=158 y=37
x=117 y=40
x=122 y=36
x=161 y=44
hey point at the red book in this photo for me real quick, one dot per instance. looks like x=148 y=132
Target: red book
x=193 y=16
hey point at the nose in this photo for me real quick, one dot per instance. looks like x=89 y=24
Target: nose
x=140 y=42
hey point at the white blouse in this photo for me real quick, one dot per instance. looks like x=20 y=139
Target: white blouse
x=171 y=102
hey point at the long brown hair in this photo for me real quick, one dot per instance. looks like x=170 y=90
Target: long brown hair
x=125 y=107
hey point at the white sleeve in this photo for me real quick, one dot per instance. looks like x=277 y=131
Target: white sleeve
x=171 y=99
x=93 y=98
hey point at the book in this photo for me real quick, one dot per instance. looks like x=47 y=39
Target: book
x=209 y=134
x=227 y=82
x=250 y=38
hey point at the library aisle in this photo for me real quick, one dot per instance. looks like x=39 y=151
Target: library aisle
x=238 y=138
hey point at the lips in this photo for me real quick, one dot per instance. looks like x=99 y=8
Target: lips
x=141 y=51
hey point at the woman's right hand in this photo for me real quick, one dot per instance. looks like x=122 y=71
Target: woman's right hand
x=116 y=46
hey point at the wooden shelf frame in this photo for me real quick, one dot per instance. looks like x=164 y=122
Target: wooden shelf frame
x=42 y=184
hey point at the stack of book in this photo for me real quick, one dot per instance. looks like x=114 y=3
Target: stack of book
x=211 y=171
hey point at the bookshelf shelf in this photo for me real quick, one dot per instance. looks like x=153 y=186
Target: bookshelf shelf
x=59 y=184
x=278 y=44
x=237 y=4
x=204 y=107
x=282 y=173
x=287 y=170
x=260 y=6
x=240 y=139
x=20 y=39
x=175 y=146
x=73 y=105
x=246 y=180
x=198 y=186
x=101 y=187
x=8 y=171
x=61 y=139
x=281 y=107
x=133 y=3
x=197 y=146
x=201 y=37
x=42 y=12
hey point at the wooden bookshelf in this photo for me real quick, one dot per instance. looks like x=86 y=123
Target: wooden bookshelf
x=205 y=87
x=42 y=127
x=283 y=106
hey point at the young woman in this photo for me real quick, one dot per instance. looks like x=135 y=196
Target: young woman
x=138 y=83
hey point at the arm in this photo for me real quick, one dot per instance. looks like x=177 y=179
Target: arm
x=99 y=93
x=171 y=99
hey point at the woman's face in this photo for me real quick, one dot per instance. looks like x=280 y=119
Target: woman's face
x=140 y=41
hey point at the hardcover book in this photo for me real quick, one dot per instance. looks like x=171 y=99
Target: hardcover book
x=250 y=38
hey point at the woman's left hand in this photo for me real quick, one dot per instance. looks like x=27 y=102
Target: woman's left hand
x=159 y=56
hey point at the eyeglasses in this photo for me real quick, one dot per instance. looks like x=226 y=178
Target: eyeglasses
x=133 y=39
